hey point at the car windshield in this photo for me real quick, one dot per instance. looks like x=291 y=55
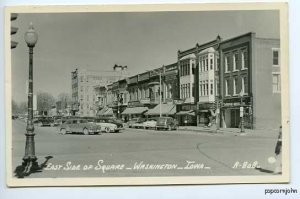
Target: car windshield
x=161 y=120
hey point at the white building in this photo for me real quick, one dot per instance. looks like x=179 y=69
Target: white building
x=187 y=78
x=83 y=88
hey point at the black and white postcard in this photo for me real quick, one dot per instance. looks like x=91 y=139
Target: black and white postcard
x=147 y=94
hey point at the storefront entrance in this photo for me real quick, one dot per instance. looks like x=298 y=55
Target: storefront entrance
x=235 y=118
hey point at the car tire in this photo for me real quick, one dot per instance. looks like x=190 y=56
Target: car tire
x=85 y=131
x=107 y=129
x=63 y=131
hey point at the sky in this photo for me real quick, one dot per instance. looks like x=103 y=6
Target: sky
x=98 y=41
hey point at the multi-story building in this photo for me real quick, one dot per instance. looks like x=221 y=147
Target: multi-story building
x=250 y=82
x=207 y=84
x=148 y=88
x=170 y=82
x=83 y=84
x=100 y=96
x=197 y=78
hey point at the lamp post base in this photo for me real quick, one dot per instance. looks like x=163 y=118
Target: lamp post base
x=29 y=165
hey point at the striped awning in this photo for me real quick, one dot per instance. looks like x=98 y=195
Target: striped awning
x=134 y=110
x=166 y=109
x=105 y=112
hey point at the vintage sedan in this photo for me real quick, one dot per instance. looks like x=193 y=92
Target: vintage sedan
x=79 y=126
x=166 y=123
x=108 y=125
x=150 y=123
x=136 y=122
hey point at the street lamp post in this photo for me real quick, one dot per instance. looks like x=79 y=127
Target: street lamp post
x=242 y=112
x=29 y=159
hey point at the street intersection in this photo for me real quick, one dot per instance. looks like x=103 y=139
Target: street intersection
x=139 y=152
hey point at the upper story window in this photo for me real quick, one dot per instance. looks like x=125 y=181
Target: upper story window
x=243 y=60
x=226 y=87
x=235 y=61
x=235 y=86
x=245 y=85
x=185 y=68
x=211 y=64
x=275 y=57
x=226 y=64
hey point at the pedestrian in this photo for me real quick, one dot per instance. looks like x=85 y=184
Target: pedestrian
x=278 y=152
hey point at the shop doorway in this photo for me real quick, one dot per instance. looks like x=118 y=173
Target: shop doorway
x=235 y=118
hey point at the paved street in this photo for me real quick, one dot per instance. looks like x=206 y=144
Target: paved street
x=136 y=152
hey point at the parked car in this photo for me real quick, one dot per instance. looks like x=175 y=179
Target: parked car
x=79 y=126
x=58 y=122
x=150 y=123
x=109 y=125
x=166 y=123
x=43 y=121
x=136 y=122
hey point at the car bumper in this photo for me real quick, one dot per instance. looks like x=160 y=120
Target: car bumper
x=94 y=130
x=161 y=127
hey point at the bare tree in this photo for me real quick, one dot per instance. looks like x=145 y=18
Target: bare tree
x=44 y=102
x=64 y=97
x=23 y=107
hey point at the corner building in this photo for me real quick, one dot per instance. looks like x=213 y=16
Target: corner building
x=250 y=78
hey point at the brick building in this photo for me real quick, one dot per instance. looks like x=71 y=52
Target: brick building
x=250 y=78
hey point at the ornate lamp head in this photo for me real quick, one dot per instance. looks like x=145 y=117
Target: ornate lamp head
x=31 y=36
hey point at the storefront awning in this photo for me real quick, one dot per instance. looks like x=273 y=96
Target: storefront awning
x=191 y=113
x=134 y=110
x=105 y=112
x=166 y=109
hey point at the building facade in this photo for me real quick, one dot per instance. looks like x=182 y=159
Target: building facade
x=83 y=88
x=198 y=80
x=250 y=82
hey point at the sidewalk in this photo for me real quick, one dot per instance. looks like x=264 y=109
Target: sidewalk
x=233 y=131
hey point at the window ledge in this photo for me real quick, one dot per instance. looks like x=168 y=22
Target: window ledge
x=235 y=70
x=278 y=66
x=244 y=69
x=227 y=72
